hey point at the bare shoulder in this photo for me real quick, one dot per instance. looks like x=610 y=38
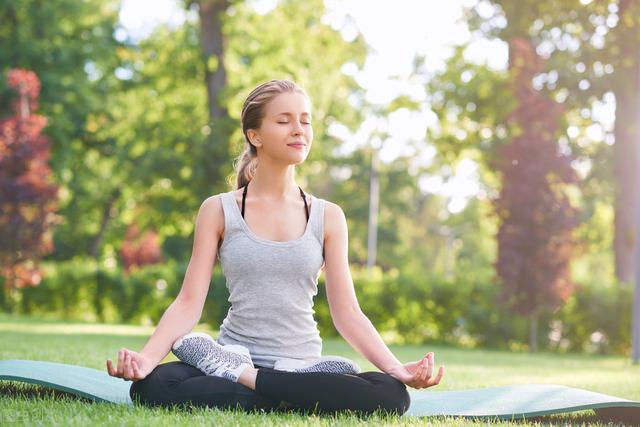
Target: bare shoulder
x=212 y=214
x=334 y=219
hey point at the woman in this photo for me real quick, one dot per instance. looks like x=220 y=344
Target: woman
x=268 y=353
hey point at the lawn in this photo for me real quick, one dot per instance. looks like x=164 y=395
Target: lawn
x=90 y=344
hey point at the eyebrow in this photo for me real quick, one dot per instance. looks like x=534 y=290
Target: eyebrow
x=289 y=114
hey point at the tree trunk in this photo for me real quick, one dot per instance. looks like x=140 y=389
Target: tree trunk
x=374 y=190
x=94 y=250
x=212 y=44
x=533 y=333
x=625 y=149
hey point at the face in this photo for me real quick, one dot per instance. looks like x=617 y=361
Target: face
x=287 y=122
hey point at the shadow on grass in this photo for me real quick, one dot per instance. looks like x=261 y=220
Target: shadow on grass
x=606 y=416
x=31 y=391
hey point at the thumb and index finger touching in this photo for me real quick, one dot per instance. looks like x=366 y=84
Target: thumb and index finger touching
x=127 y=367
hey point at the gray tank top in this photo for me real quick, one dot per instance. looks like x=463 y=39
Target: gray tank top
x=271 y=287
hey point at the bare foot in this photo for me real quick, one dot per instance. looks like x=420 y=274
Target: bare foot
x=248 y=377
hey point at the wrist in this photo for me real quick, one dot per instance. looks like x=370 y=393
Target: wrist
x=153 y=358
x=393 y=368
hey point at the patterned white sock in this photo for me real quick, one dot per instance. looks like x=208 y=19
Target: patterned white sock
x=333 y=364
x=201 y=351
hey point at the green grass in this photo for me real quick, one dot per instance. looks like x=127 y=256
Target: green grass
x=89 y=344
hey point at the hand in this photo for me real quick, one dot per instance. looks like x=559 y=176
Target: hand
x=131 y=365
x=418 y=374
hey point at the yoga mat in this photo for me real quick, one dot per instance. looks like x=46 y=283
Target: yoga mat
x=505 y=403
x=86 y=382
x=520 y=401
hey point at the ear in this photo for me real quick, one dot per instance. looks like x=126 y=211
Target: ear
x=253 y=139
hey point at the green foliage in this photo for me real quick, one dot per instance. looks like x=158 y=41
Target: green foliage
x=70 y=46
x=292 y=42
x=140 y=149
x=76 y=289
x=407 y=307
x=413 y=307
x=596 y=319
x=471 y=102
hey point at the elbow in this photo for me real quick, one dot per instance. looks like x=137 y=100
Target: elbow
x=189 y=305
x=346 y=317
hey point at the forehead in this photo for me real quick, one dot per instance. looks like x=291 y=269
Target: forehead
x=289 y=102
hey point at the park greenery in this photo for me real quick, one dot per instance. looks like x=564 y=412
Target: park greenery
x=88 y=344
x=108 y=146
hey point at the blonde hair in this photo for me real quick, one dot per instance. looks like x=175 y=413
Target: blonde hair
x=251 y=118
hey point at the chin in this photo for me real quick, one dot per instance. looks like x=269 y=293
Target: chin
x=297 y=160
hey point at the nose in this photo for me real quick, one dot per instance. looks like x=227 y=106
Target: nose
x=298 y=129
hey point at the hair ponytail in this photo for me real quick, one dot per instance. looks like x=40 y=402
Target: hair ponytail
x=247 y=163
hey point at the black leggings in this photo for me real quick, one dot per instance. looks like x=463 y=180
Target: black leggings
x=177 y=383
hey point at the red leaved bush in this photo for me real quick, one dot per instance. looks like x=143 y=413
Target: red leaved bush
x=138 y=250
x=535 y=236
x=28 y=200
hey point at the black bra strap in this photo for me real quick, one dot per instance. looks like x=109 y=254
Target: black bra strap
x=306 y=207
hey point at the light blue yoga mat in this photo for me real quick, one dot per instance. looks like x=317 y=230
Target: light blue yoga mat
x=507 y=402
x=86 y=382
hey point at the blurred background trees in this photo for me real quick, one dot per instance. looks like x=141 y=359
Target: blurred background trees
x=141 y=131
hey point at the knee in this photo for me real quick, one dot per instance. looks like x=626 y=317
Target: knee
x=398 y=401
x=147 y=390
x=401 y=400
x=153 y=390
x=394 y=395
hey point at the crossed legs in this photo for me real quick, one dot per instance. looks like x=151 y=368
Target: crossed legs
x=178 y=383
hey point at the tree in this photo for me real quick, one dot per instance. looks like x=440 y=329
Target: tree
x=537 y=219
x=168 y=154
x=28 y=199
x=622 y=51
x=213 y=48
x=504 y=121
x=591 y=47
x=139 y=249
x=71 y=46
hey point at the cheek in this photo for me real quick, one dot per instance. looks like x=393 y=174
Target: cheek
x=274 y=131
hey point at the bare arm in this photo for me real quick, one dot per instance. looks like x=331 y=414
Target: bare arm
x=178 y=319
x=185 y=311
x=346 y=314
x=349 y=319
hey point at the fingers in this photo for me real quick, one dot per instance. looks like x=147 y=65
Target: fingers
x=113 y=371
x=439 y=376
x=418 y=373
x=127 y=367
x=430 y=362
x=120 y=368
x=425 y=363
x=136 y=370
x=424 y=371
x=436 y=380
x=416 y=379
x=422 y=377
x=128 y=370
x=110 y=369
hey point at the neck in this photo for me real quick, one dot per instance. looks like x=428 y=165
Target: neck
x=274 y=183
